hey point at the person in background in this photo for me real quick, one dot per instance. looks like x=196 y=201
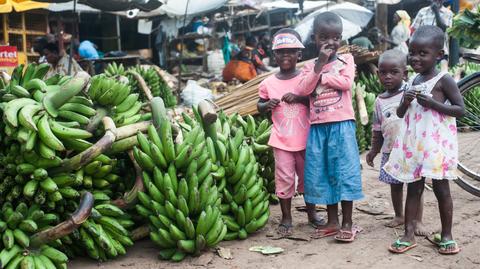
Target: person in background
x=364 y=42
x=369 y=41
x=251 y=44
x=438 y=15
x=39 y=43
x=401 y=32
x=59 y=61
x=88 y=50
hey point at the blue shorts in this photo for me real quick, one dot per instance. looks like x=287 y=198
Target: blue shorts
x=332 y=164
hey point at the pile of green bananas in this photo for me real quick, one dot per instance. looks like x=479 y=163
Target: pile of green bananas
x=181 y=199
x=105 y=234
x=22 y=85
x=257 y=133
x=35 y=122
x=113 y=69
x=123 y=106
x=157 y=86
x=16 y=227
x=245 y=201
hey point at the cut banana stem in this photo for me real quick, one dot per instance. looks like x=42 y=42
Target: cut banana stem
x=159 y=113
x=142 y=84
x=55 y=100
x=96 y=120
x=140 y=232
x=132 y=129
x=68 y=226
x=91 y=153
x=207 y=111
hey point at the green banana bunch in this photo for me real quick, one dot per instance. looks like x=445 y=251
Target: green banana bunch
x=245 y=201
x=24 y=83
x=116 y=97
x=113 y=69
x=181 y=199
x=105 y=235
x=16 y=226
x=157 y=86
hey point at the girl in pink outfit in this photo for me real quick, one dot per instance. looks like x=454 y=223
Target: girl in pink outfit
x=290 y=125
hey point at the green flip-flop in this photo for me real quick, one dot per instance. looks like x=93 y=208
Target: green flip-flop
x=394 y=248
x=445 y=250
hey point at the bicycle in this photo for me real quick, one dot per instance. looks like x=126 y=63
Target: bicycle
x=469 y=132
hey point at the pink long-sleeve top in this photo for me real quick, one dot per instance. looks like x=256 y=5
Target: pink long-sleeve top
x=329 y=90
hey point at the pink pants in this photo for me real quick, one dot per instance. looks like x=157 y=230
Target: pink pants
x=287 y=165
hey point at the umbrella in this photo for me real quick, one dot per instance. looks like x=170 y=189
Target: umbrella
x=7 y=6
x=353 y=16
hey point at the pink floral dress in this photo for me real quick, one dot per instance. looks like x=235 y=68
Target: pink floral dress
x=427 y=142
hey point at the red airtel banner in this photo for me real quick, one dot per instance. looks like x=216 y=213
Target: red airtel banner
x=8 y=58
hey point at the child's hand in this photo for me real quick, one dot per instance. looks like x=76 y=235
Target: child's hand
x=272 y=103
x=409 y=96
x=290 y=98
x=425 y=100
x=370 y=157
x=324 y=53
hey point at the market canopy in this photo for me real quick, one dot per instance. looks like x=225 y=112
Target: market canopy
x=7 y=6
x=115 y=5
x=178 y=8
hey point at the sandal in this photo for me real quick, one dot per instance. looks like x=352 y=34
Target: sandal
x=321 y=233
x=316 y=223
x=445 y=250
x=401 y=247
x=284 y=230
x=351 y=235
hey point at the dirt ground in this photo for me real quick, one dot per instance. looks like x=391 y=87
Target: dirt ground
x=368 y=251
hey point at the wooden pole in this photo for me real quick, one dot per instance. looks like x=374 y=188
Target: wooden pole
x=381 y=22
x=5 y=28
x=24 y=36
x=119 y=40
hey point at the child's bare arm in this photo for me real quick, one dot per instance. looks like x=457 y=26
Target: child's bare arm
x=265 y=105
x=377 y=142
x=293 y=98
x=449 y=88
x=407 y=98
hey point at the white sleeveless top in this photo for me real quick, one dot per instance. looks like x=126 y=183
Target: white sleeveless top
x=427 y=143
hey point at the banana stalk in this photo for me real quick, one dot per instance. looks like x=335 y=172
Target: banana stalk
x=68 y=226
x=130 y=197
x=96 y=120
x=142 y=84
x=132 y=129
x=54 y=100
x=91 y=153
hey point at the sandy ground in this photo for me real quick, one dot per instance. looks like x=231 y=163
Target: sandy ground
x=368 y=251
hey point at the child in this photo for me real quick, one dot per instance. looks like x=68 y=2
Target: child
x=332 y=164
x=427 y=142
x=392 y=70
x=290 y=125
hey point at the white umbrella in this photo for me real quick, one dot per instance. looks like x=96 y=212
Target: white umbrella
x=353 y=16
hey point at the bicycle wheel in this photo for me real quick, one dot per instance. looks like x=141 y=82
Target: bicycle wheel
x=469 y=134
x=469 y=127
